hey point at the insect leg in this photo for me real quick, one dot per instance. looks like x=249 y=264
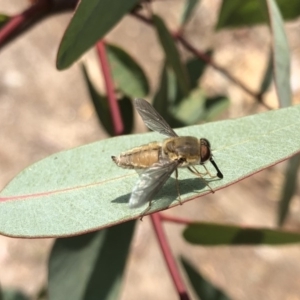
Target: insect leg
x=145 y=211
x=198 y=174
x=177 y=186
x=207 y=172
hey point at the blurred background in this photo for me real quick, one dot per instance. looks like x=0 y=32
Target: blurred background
x=44 y=111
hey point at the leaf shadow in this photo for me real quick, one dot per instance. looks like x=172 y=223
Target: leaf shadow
x=168 y=192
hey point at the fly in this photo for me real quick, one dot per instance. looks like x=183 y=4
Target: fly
x=156 y=161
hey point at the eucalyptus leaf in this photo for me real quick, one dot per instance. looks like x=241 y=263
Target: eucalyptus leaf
x=281 y=55
x=103 y=111
x=195 y=68
x=172 y=54
x=13 y=294
x=268 y=76
x=236 y=13
x=82 y=190
x=214 y=106
x=3 y=19
x=197 y=108
x=161 y=97
x=90 y=266
x=92 y=20
x=128 y=76
x=204 y=289
x=209 y=234
x=164 y=97
x=189 y=8
x=191 y=109
x=289 y=187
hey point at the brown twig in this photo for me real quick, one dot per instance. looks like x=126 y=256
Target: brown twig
x=179 y=37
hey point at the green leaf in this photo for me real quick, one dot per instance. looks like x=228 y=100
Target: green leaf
x=268 y=76
x=256 y=11
x=281 y=55
x=203 y=288
x=128 y=75
x=289 y=187
x=172 y=54
x=164 y=97
x=3 y=19
x=189 y=8
x=195 y=68
x=126 y=108
x=191 y=109
x=235 y=13
x=103 y=111
x=13 y=294
x=214 y=106
x=92 y=20
x=161 y=97
x=81 y=189
x=209 y=234
x=197 y=107
x=90 y=266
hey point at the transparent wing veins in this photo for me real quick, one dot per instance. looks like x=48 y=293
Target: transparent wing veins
x=150 y=182
x=152 y=118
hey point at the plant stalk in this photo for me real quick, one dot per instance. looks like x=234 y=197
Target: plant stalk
x=173 y=269
x=118 y=125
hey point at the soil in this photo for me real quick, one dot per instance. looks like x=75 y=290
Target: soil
x=44 y=111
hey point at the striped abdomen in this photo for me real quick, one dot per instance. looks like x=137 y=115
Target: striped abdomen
x=140 y=157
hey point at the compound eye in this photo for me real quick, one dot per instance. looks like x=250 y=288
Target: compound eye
x=205 y=153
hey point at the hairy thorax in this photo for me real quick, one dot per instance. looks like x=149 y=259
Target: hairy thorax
x=184 y=148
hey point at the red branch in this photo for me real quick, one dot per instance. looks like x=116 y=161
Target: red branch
x=180 y=287
x=18 y=21
x=175 y=219
x=112 y=100
x=36 y=12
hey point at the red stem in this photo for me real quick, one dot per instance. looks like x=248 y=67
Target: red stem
x=112 y=100
x=180 y=287
x=175 y=219
x=18 y=21
x=23 y=21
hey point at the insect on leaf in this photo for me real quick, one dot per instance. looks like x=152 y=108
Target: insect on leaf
x=82 y=190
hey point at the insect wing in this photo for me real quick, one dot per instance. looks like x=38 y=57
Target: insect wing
x=152 y=118
x=150 y=182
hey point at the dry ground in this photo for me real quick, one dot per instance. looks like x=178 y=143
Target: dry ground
x=43 y=111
